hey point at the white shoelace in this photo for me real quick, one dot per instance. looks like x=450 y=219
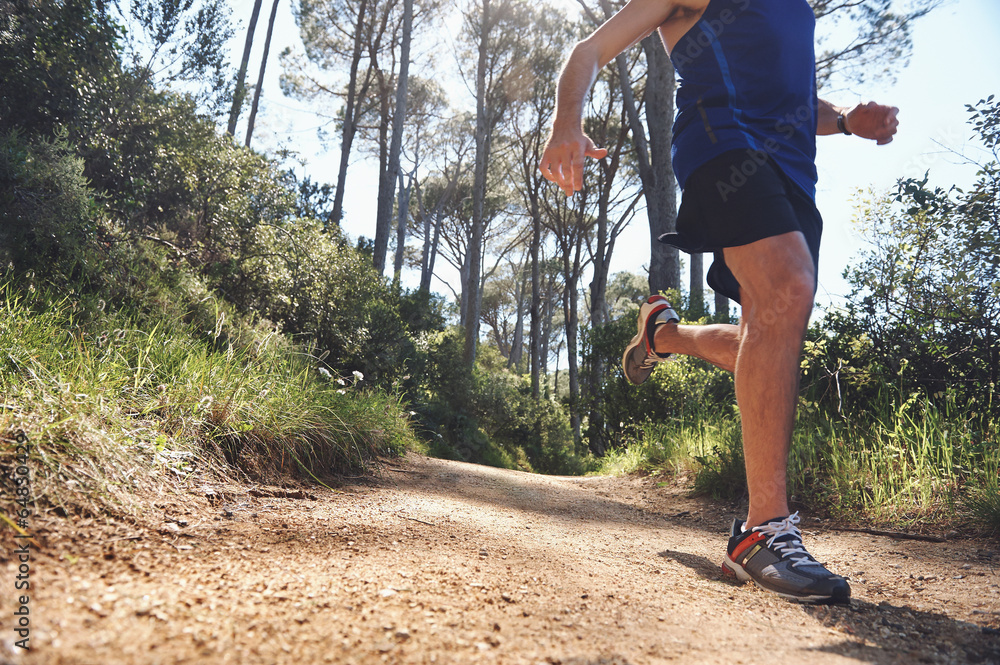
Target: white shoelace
x=791 y=547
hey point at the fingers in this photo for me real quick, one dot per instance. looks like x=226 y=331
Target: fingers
x=552 y=170
x=564 y=164
x=890 y=123
x=576 y=173
x=597 y=153
x=877 y=121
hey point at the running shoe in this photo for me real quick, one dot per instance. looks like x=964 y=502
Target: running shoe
x=640 y=358
x=772 y=555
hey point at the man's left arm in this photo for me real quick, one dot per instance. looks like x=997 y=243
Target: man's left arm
x=870 y=121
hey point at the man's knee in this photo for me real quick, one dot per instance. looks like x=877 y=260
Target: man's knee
x=793 y=296
x=777 y=278
x=784 y=301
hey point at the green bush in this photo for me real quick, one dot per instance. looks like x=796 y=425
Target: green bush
x=489 y=416
x=537 y=431
x=113 y=402
x=48 y=216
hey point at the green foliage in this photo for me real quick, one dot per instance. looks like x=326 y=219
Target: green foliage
x=176 y=252
x=984 y=504
x=871 y=40
x=57 y=60
x=721 y=472
x=538 y=431
x=665 y=448
x=924 y=311
x=489 y=416
x=48 y=217
x=181 y=43
x=909 y=458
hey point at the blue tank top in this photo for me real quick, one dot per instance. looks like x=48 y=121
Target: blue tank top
x=747 y=74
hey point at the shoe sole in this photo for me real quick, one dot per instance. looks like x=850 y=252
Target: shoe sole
x=731 y=569
x=632 y=346
x=635 y=344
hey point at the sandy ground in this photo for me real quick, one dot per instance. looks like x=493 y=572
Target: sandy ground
x=443 y=562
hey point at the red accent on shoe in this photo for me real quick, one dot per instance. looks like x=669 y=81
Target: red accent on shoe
x=746 y=544
x=648 y=338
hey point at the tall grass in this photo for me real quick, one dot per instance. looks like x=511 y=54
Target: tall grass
x=113 y=402
x=911 y=460
x=901 y=461
x=704 y=444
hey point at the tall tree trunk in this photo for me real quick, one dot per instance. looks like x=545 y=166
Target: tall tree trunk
x=241 y=78
x=428 y=271
x=598 y=308
x=572 y=328
x=260 y=78
x=431 y=242
x=697 y=285
x=383 y=215
x=555 y=375
x=425 y=256
x=546 y=332
x=661 y=190
x=475 y=248
x=402 y=216
x=517 y=346
x=721 y=307
x=535 y=342
x=386 y=187
x=350 y=122
x=464 y=279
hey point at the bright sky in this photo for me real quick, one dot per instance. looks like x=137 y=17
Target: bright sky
x=956 y=61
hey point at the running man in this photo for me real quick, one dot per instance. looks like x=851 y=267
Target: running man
x=744 y=149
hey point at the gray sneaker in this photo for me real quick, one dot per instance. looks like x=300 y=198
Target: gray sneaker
x=773 y=556
x=640 y=358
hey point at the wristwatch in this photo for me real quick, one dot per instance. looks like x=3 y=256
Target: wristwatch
x=842 y=124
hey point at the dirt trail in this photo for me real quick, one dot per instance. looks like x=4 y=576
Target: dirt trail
x=443 y=562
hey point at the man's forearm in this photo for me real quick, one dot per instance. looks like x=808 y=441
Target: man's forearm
x=826 y=121
x=575 y=81
x=876 y=122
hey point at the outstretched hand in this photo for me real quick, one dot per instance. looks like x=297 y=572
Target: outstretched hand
x=873 y=121
x=563 y=159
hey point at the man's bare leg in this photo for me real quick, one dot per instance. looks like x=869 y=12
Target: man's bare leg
x=777 y=287
x=717 y=343
x=777 y=281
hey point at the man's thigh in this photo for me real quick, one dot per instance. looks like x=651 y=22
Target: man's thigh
x=776 y=273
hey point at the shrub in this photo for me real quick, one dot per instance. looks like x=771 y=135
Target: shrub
x=48 y=216
x=113 y=403
x=489 y=416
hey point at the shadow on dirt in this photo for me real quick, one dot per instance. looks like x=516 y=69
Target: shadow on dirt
x=892 y=633
x=884 y=633
x=704 y=567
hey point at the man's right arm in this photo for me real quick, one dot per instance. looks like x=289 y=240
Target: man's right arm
x=563 y=159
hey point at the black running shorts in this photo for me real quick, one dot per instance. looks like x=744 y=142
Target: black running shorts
x=735 y=199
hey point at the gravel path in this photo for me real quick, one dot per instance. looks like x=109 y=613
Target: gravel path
x=444 y=562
